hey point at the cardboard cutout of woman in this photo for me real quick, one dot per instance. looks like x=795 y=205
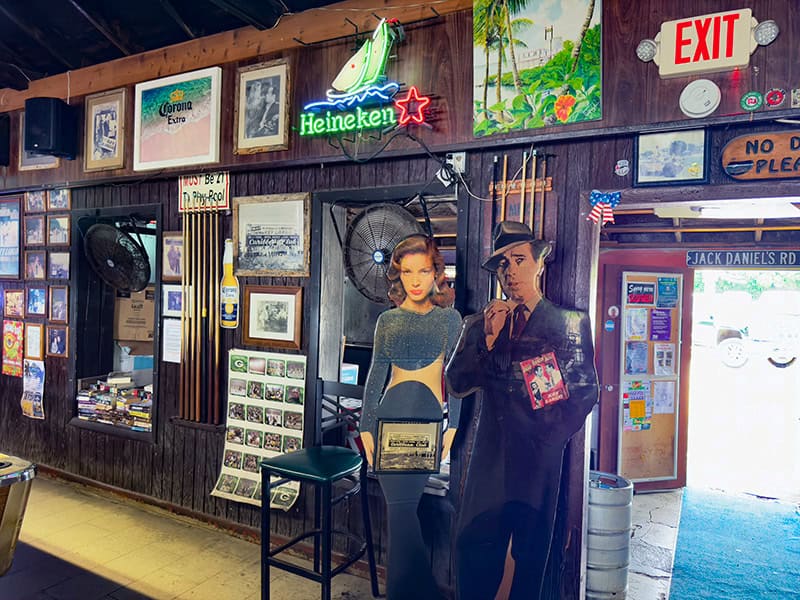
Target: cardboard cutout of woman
x=412 y=343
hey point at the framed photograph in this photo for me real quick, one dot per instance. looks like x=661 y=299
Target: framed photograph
x=34 y=341
x=58 y=230
x=14 y=303
x=58 y=265
x=262 y=107
x=272 y=316
x=60 y=199
x=9 y=238
x=408 y=446
x=58 y=303
x=672 y=157
x=271 y=234
x=34 y=230
x=105 y=131
x=28 y=161
x=171 y=300
x=172 y=256
x=35 y=261
x=57 y=340
x=176 y=120
x=34 y=201
x=36 y=304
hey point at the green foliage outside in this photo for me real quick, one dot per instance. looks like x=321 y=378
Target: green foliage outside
x=752 y=282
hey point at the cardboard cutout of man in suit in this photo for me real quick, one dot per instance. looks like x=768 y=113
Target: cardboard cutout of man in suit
x=514 y=468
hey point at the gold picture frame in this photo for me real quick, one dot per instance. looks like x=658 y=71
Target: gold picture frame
x=34 y=341
x=271 y=235
x=408 y=446
x=104 y=141
x=261 y=113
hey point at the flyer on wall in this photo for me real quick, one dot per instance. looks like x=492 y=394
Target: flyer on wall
x=12 y=347
x=264 y=419
x=32 y=401
x=637 y=405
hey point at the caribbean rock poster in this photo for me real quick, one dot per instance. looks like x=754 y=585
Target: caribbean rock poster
x=12 y=347
x=176 y=120
x=264 y=418
x=535 y=64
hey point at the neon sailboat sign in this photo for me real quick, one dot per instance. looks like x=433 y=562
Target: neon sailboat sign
x=361 y=97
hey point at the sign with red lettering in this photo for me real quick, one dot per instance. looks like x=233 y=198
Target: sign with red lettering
x=763 y=156
x=640 y=293
x=706 y=44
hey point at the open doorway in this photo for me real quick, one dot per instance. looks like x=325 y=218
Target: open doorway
x=744 y=413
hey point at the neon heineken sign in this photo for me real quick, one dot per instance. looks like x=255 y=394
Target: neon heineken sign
x=361 y=98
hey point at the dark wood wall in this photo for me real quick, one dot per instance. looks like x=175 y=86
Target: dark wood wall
x=182 y=464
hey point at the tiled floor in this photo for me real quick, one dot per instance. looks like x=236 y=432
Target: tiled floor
x=76 y=544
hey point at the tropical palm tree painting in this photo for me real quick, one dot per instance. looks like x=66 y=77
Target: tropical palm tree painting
x=536 y=64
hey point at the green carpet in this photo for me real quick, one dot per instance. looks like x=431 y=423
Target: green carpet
x=735 y=547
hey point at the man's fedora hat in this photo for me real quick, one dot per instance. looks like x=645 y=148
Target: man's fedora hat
x=508 y=234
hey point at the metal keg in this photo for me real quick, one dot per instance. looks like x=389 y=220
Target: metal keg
x=16 y=476
x=609 y=536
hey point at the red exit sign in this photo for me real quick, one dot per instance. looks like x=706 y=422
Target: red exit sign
x=706 y=44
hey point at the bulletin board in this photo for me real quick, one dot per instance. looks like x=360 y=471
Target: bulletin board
x=649 y=375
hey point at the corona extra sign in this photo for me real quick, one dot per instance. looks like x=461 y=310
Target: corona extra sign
x=361 y=98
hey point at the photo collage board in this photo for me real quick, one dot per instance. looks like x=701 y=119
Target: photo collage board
x=264 y=418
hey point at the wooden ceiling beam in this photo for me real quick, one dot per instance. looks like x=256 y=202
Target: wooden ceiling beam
x=36 y=35
x=245 y=16
x=310 y=26
x=175 y=16
x=99 y=23
x=622 y=229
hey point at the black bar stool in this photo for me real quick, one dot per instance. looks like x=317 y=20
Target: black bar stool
x=322 y=467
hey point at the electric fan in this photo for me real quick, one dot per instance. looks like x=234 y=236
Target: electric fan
x=117 y=258
x=371 y=237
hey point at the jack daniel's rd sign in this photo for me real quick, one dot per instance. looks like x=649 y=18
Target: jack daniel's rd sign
x=763 y=156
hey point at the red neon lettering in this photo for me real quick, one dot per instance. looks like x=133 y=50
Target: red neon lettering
x=680 y=42
x=715 y=43
x=701 y=53
x=729 y=21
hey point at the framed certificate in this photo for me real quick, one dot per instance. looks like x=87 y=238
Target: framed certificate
x=408 y=446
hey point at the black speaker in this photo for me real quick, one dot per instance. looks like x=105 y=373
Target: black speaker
x=5 y=142
x=50 y=127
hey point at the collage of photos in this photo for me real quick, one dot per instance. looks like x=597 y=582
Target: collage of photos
x=264 y=417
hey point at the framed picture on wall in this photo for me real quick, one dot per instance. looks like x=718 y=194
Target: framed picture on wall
x=60 y=199
x=9 y=238
x=57 y=340
x=34 y=201
x=14 y=303
x=58 y=230
x=28 y=161
x=671 y=158
x=35 y=264
x=176 y=120
x=34 y=230
x=272 y=316
x=262 y=107
x=171 y=300
x=34 y=341
x=104 y=141
x=58 y=303
x=271 y=234
x=36 y=305
x=172 y=256
x=58 y=265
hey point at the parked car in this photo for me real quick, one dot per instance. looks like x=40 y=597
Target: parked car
x=721 y=322
x=774 y=327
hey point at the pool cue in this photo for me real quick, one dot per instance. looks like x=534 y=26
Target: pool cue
x=184 y=329
x=540 y=220
x=195 y=374
x=522 y=188
x=202 y=400
x=532 y=202
x=215 y=307
x=505 y=188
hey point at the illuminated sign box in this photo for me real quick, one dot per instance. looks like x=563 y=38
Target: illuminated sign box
x=706 y=44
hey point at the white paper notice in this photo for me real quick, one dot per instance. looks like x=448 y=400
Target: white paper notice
x=664 y=397
x=663 y=360
x=636 y=324
x=171 y=341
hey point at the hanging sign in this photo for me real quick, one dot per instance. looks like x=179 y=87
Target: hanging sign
x=756 y=259
x=361 y=97
x=706 y=44
x=763 y=156
x=204 y=192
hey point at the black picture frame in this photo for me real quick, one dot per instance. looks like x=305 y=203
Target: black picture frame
x=416 y=434
x=666 y=158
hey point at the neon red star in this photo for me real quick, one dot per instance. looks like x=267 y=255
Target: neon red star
x=412 y=107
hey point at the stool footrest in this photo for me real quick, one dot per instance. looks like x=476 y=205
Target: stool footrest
x=311 y=573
